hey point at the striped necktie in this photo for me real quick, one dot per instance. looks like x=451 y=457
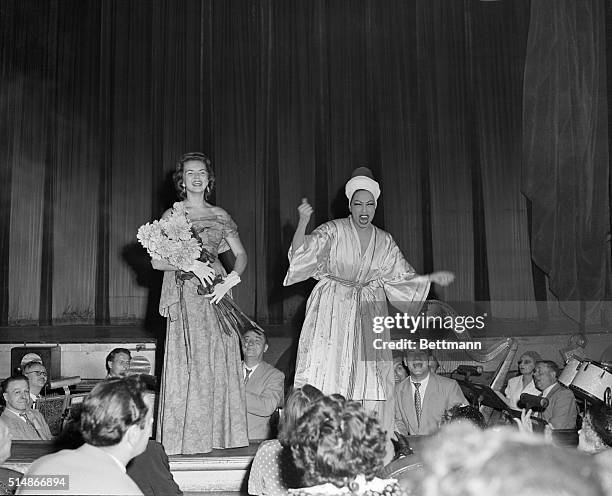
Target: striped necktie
x=417 y=402
x=247 y=374
x=30 y=423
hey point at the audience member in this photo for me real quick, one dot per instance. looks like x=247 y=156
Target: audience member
x=37 y=378
x=273 y=471
x=434 y=365
x=340 y=447
x=118 y=363
x=151 y=469
x=522 y=383
x=465 y=461
x=465 y=413
x=116 y=425
x=264 y=384
x=399 y=369
x=561 y=412
x=23 y=422
x=421 y=400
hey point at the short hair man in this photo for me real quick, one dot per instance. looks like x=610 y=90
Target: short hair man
x=116 y=426
x=561 y=412
x=118 y=363
x=37 y=375
x=264 y=384
x=23 y=423
x=422 y=400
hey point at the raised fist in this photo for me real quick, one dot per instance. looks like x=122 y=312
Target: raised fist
x=305 y=210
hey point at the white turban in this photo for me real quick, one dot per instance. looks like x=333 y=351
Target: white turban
x=362 y=182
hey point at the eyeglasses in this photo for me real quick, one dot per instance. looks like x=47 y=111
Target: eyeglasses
x=39 y=373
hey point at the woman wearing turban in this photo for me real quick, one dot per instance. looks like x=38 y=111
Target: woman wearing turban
x=358 y=267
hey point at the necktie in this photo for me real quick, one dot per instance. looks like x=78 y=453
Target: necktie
x=247 y=374
x=30 y=423
x=417 y=402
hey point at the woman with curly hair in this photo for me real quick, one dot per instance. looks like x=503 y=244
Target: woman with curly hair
x=339 y=448
x=273 y=471
x=202 y=397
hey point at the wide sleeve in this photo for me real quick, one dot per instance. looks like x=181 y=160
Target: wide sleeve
x=229 y=230
x=404 y=288
x=310 y=259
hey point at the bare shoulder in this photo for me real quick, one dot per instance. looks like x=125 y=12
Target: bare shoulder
x=219 y=211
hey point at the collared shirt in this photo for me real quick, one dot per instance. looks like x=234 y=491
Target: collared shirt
x=423 y=386
x=252 y=369
x=15 y=412
x=547 y=390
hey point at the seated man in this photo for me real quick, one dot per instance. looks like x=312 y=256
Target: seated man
x=561 y=412
x=37 y=377
x=422 y=399
x=264 y=384
x=118 y=363
x=116 y=426
x=23 y=422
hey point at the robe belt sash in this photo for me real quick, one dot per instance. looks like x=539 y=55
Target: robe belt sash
x=366 y=352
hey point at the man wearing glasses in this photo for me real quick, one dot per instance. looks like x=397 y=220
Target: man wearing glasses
x=37 y=377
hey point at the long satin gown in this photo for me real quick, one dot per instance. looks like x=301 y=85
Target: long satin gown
x=335 y=351
x=202 y=397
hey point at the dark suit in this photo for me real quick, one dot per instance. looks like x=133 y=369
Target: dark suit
x=561 y=411
x=441 y=394
x=264 y=394
x=151 y=471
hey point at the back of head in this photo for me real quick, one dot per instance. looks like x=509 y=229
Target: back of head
x=335 y=441
x=300 y=400
x=465 y=461
x=550 y=365
x=112 y=407
x=600 y=418
x=466 y=413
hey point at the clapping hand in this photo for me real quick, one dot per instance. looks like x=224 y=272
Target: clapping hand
x=305 y=211
x=222 y=288
x=524 y=423
x=203 y=271
x=442 y=277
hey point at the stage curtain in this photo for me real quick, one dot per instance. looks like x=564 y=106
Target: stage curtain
x=287 y=97
x=566 y=175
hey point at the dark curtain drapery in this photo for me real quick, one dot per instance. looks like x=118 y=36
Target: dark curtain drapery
x=566 y=146
x=100 y=97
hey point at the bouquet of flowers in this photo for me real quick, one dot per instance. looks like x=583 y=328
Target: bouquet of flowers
x=175 y=240
x=171 y=239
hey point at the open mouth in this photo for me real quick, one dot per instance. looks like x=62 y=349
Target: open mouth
x=364 y=219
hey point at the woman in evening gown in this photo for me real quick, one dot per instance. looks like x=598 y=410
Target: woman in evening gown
x=202 y=398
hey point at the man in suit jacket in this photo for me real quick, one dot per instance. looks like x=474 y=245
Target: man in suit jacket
x=434 y=393
x=23 y=423
x=116 y=425
x=264 y=384
x=561 y=411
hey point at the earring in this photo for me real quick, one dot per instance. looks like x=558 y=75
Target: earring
x=183 y=187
